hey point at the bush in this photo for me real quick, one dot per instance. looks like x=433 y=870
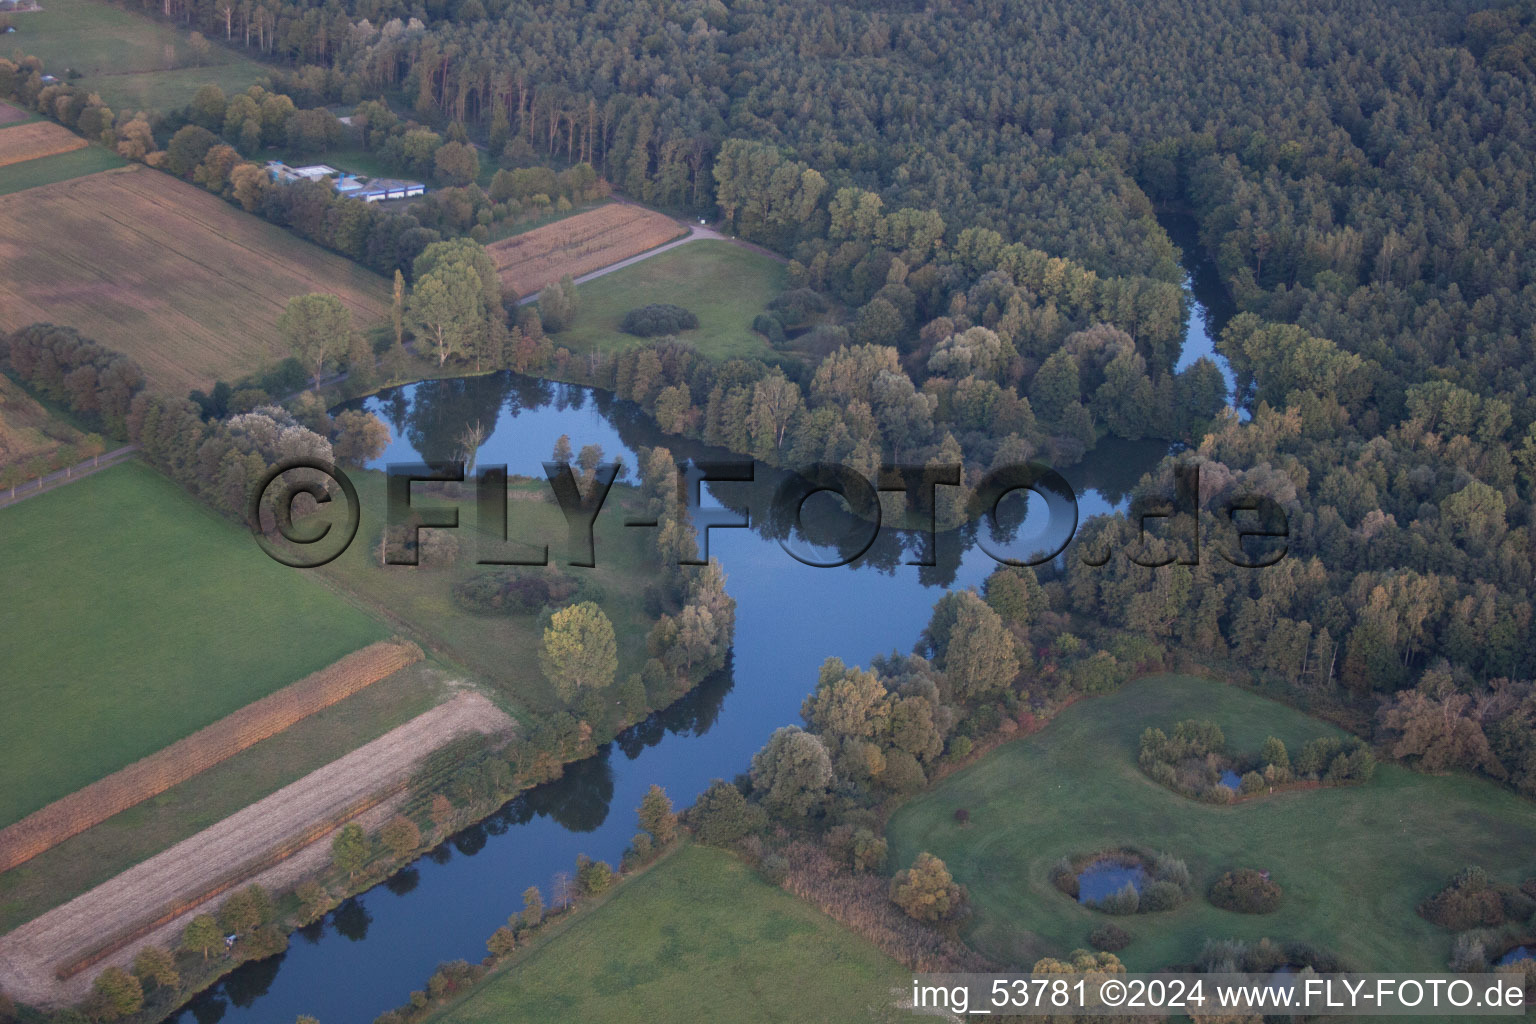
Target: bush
x=775 y=868
x=1125 y=901
x=1246 y=891
x=1064 y=878
x=1110 y=938
x=1158 y=896
x=520 y=591
x=769 y=327
x=1252 y=782
x=722 y=815
x=962 y=816
x=1473 y=900
x=657 y=319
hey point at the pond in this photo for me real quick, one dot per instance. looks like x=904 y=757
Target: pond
x=369 y=954
x=1107 y=876
x=1231 y=779
x=1517 y=955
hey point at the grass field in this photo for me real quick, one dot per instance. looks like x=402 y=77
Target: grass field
x=36 y=139
x=697 y=937
x=133 y=62
x=579 y=245
x=90 y=858
x=48 y=170
x=188 y=286
x=132 y=616
x=725 y=285
x=500 y=650
x=1353 y=862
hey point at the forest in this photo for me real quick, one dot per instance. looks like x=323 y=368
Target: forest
x=976 y=183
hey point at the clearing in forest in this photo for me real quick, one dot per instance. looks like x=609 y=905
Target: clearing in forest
x=186 y=285
x=579 y=245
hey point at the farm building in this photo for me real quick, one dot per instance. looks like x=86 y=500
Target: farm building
x=370 y=190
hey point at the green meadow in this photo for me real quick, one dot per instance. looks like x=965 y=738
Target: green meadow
x=725 y=285
x=133 y=616
x=1354 y=862
x=699 y=936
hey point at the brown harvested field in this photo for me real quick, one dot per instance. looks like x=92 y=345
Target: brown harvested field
x=182 y=877
x=40 y=138
x=185 y=284
x=10 y=114
x=579 y=245
x=153 y=775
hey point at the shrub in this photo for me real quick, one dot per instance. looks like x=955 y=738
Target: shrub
x=1168 y=868
x=1252 y=782
x=769 y=327
x=1125 y=901
x=1110 y=938
x=1064 y=878
x=775 y=868
x=926 y=891
x=1472 y=900
x=520 y=592
x=1157 y=896
x=656 y=319
x=722 y=815
x=959 y=747
x=962 y=816
x=1469 y=954
x=1246 y=891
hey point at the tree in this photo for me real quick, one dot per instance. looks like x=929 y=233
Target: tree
x=115 y=993
x=360 y=437
x=314 y=899
x=246 y=911
x=202 y=935
x=579 y=652
x=156 y=968
x=502 y=942
x=457 y=163
x=317 y=328
x=562 y=452
x=557 y=304
x=533 y=908
x=447 y=308
x=792 y=772
x=657 y=816
x=350 y=849
x=187 y=148
x=978 y=655
x=926 y=892
x=401 y=835
x=721 y=815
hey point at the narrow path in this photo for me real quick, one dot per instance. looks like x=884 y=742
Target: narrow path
x=69 y=474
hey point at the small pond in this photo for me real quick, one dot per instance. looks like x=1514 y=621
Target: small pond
x=1105 y=877
x=1231 y=780
x=1518 y=954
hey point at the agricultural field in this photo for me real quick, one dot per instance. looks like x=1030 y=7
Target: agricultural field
x=579 y=245
x=725 y=285
x=699 y=930
x=36 y=139
x=134 y=617
x=1353 y=861
x=47 y=170
x=133 y=62
x=499 y=649
x=125 y=839
x=14 y=115
x=188 y=286
x=34 y=441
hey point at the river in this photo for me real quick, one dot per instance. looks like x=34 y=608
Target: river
x=368 y=955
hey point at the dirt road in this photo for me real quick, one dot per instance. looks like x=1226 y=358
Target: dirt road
x=30 y=955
